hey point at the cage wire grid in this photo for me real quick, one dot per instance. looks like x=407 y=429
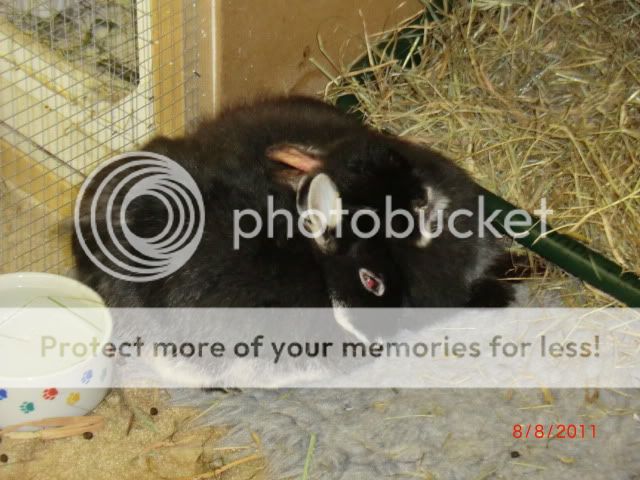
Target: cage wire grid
x=81 y=81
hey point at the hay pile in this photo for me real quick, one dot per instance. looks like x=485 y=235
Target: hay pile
x=535 y=99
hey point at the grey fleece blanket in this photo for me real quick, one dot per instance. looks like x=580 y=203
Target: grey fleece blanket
x=447 y=434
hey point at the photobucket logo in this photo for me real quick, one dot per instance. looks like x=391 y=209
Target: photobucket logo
x=109 y=192
x=430 y=221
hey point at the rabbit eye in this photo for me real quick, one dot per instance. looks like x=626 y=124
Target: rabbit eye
x=371 y=282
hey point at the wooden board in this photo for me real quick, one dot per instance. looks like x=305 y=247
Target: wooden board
x=168 y=47
x=25 y=173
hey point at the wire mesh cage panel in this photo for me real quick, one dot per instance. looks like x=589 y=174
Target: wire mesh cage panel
x=80 y=81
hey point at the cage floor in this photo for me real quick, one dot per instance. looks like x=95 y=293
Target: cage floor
x=133 y=445
x=33 y=237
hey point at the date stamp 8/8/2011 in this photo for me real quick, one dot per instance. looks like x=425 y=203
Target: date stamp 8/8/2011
x=539 y=431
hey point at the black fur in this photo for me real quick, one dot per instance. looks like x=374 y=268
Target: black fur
x=227 y=158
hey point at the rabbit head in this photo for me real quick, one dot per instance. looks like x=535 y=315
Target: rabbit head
x=354 y=257
x=355 y=260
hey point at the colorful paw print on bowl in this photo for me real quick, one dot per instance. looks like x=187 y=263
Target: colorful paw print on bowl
x=73 y=398
x=3 y=394
x=87 y=376
x=27 y=407
x=50 y=393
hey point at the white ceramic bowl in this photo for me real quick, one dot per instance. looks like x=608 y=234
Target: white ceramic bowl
x=40 y=377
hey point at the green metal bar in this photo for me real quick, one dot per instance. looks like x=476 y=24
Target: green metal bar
x=569 y=254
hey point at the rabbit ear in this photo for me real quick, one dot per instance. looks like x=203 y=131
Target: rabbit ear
x=318 y=199
x=292 y=162
x=325 y=198
x=302 y=158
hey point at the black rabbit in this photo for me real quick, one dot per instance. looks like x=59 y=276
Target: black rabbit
x=284 y=148
x=227 y=158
